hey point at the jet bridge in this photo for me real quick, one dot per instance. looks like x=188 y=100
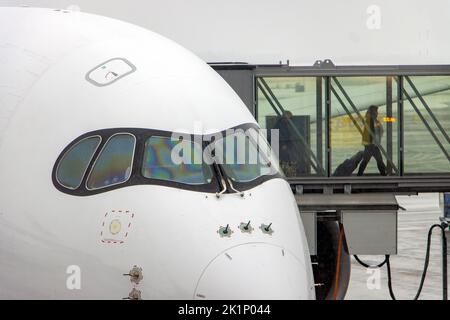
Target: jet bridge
x=323 y=108
x=328 y=104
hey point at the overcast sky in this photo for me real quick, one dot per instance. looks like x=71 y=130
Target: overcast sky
x=262 y=31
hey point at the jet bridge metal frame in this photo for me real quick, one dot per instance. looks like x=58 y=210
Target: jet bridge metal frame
x=325 y=182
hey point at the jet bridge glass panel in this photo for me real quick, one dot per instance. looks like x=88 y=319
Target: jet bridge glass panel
x=363 y=126
x=426 y=124
x=292 y=110
x=327 y=127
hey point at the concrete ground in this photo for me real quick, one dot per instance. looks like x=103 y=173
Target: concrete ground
x=407 y=265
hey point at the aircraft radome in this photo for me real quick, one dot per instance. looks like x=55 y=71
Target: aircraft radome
x=92 y=205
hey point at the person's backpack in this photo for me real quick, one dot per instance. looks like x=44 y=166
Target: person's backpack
x=347 y=167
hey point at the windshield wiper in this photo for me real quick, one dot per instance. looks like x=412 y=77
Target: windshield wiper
x=241 y=193
x=224 y=188
x=224 y=184
x=221 y=179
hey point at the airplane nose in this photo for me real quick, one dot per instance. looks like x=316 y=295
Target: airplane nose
x=255 y=271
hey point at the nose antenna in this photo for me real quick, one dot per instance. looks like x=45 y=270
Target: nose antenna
x=267 y=228
x=234 y=189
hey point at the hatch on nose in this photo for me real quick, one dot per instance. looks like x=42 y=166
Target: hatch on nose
x=255 y=271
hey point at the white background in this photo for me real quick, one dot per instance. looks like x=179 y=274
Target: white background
x=267 y=31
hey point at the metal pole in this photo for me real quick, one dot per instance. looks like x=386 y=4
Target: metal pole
x=327 y=125
x=319 y=135
x=389 y=122
x=255 y=98
x=400 y=126
x=444 y=263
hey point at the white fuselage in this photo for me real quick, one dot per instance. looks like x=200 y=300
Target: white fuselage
x=171 y=233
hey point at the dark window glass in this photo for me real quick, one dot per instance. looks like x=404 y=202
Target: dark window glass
x=73 y=165
x=175 y=160
x=114 y=164
x=245 y=156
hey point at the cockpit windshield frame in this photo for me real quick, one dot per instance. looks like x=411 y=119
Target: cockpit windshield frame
x=251 y=142
x=136 y=176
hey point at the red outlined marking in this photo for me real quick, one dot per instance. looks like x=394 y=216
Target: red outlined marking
x=112 y=241
x=104 y=231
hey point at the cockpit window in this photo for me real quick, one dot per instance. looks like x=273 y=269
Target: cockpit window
x=113 y=165
x=75 y=161
x=245 y=156
x=180 y=161
x=229 y=161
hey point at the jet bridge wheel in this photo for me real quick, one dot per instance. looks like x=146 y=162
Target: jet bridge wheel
x=325 y=269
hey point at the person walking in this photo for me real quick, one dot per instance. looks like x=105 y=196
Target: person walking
x=286 y=136
x=371 y=139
